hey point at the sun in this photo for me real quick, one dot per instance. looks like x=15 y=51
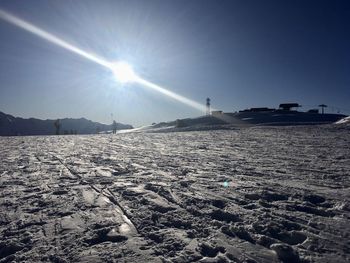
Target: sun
x=123 y=72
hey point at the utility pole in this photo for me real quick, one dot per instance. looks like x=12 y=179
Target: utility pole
x=57 y=125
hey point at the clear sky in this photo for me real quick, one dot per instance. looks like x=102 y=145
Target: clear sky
x=241 y=54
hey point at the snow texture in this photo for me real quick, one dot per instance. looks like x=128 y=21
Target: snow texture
x=267 y=194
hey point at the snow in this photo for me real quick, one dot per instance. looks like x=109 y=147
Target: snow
x=266 y=194
x=345 y=120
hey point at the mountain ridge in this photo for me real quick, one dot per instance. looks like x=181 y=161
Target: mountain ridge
x=12 y=126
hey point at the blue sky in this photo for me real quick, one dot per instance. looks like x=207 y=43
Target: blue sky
x=239 y=53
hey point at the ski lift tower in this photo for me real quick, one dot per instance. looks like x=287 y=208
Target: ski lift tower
x=322 y=107
x=208 y=106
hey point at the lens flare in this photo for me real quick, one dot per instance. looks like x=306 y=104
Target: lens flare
x=121 y=70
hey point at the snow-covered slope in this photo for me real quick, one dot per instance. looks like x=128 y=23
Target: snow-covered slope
x=345 y=120
x=244 y=195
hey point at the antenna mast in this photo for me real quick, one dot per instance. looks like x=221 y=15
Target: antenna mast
x=208 y=106
x=322 y=107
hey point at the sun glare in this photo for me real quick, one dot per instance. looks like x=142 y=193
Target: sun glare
x=123 y=72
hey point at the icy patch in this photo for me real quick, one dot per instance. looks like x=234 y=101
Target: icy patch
x=104 y=171
x=89 y=196
x=124 y=228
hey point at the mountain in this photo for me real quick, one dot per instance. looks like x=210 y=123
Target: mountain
x=10 y=126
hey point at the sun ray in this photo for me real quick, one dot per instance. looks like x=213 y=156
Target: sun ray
x=171 y=94
x=122 y=71
x=51 y=38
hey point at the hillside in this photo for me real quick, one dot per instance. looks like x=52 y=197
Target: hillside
x=10 y=126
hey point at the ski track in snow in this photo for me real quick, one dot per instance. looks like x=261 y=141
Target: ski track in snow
x=246 y=195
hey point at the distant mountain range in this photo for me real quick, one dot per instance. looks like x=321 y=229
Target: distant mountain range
x=11 y=126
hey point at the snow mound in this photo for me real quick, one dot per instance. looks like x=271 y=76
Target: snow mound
x=345 y=120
